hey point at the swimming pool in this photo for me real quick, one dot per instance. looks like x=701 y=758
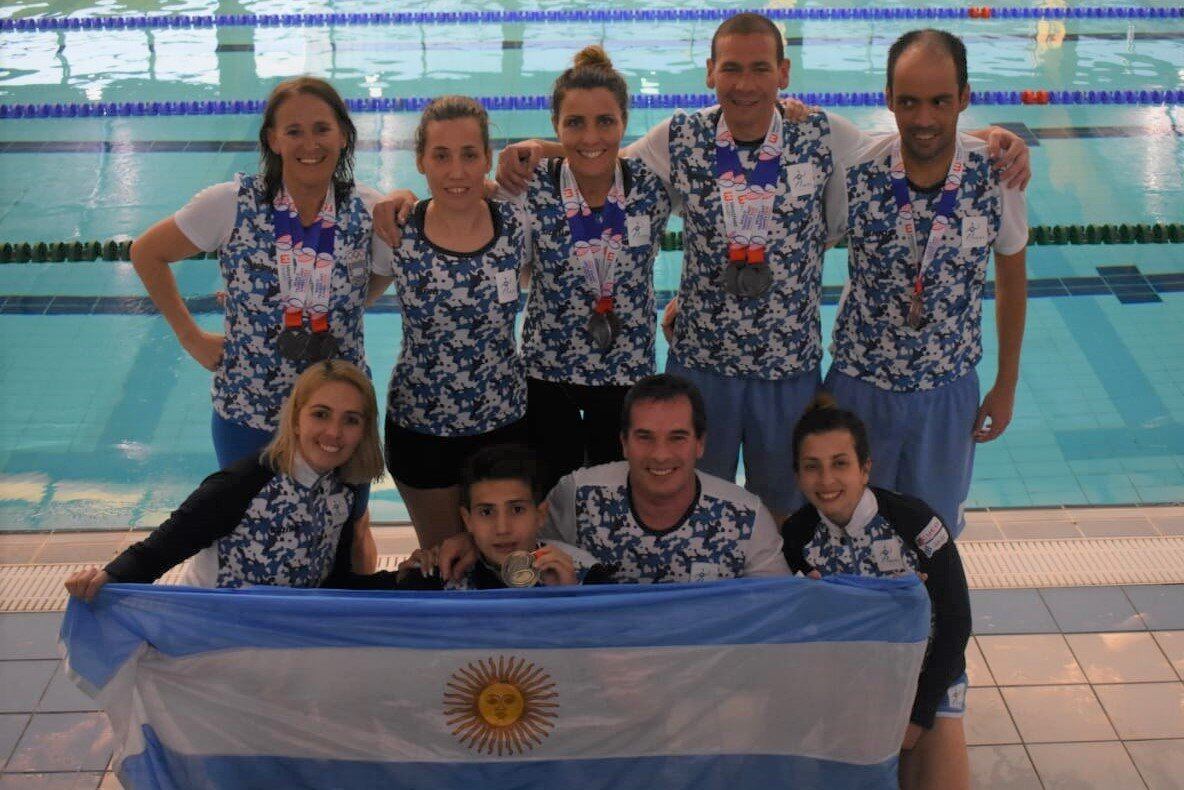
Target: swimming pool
x=105 y=421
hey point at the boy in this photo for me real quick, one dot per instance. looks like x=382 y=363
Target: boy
x=503 y=510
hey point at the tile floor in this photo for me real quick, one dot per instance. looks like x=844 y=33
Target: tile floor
x=1070 y=687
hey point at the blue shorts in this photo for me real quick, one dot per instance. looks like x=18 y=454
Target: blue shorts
x=953 y=704
x=234 y=441
x=757 y=416
x=922 y=442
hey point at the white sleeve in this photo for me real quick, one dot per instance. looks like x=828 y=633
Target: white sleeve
x=1013 y=226
x=207 y=219
x=382 y=257
x=653 y=148
x=583 y=560
x=762 y=554
x=844 y=140
x=525 y=216
x=561 y=512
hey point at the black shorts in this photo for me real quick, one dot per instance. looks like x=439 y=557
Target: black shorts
x=424 y=461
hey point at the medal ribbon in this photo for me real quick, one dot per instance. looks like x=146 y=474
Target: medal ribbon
x=597 y=245
x=941 y=216
x=304 y=258
x=747 y=196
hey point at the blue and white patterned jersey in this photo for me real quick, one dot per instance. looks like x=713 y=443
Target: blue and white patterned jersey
x=288 y=534
x=867 y=546
x=253 y=379
x=776 y=335
x=459 y=373
x=727 y=533
x=555 y=341
x=872 y=340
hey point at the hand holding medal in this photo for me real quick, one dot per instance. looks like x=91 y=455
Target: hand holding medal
x=518 y=570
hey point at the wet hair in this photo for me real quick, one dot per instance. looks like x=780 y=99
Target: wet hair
x=747 y=24
x=450 y=108
x=823 y=416
x=937 y=39
x=591 y=68
x=270 y=162
x=501 y=462
x=665 y=387
x=365 y=465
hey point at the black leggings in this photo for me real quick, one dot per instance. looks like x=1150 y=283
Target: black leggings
x=573 y=425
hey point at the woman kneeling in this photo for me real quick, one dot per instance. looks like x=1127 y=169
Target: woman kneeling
x=848 y=527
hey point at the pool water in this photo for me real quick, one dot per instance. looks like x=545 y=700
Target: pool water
x=105 y=422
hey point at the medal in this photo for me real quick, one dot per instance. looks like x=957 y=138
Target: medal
x=597 y=246
x=304 y=262
x=518 y=570
x=321 y=346
x=747 y=280
x=746 y=199
x=603 y=325
x=603 y=328
x=915 y=319
x=293 y=343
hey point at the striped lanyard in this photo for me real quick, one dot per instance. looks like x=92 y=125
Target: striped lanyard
x=304 y=258
x=597 y=244
x=747 y=196
x=942 y=215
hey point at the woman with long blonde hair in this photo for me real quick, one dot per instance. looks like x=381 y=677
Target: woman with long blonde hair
x=284 y=517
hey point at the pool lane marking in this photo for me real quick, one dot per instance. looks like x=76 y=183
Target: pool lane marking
x=1031 y=135
x=387 y=45
x=1126 y=283
x=601 y=15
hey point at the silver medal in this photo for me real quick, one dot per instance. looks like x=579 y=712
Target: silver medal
x=321 y=346
x=747 y=280
x=293 y=343
x=603 y=329
x=518 y=570
x=915 y=318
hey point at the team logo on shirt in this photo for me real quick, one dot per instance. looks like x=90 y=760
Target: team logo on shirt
x=503 y=705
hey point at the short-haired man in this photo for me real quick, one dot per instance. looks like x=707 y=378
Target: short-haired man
x=653 y=516
x=925 y=213
x=761 y=196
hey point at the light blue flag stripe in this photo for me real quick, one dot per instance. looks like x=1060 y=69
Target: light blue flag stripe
x=177 y=621
x=160 y=768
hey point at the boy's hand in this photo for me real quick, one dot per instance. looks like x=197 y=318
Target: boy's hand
x=555 y=566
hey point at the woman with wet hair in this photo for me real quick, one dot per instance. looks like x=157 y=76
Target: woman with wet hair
x=295 y=249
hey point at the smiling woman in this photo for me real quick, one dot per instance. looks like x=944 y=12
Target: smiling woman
x=286 y=517
x=458 y=384
x=295 y=249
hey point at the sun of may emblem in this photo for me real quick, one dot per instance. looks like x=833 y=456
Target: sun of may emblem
x=502 y=705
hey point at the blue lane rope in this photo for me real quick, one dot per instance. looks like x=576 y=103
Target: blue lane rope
x=575 y=15
x=666 y=101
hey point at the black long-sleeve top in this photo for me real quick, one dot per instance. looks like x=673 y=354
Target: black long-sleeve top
x=810 y=543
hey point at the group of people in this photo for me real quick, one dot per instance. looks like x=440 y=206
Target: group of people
x=628 y=475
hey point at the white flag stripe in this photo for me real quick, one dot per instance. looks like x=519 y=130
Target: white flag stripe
x=387 y=704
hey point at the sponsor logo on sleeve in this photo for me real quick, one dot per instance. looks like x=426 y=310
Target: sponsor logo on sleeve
x=933 y=537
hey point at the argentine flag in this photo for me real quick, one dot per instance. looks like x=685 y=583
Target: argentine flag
x=733 y=684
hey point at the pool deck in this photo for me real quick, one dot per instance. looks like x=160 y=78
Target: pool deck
x=1078 y=687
